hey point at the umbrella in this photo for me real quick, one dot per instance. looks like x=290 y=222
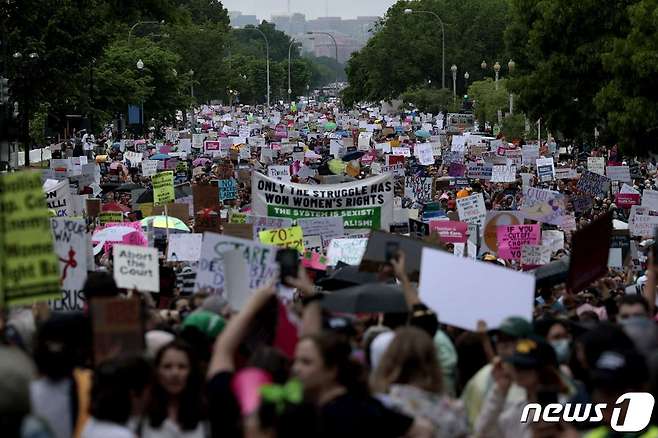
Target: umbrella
x=367 y=298
x=330 y=126
x=553 y=273
x=200 y=161
x=112 y=234
x=160 y=157
x=422 y=133
x=337 y=167
x=116 y=145
x=162 y=221
x=346 y=276
x=353 y=155
x=128 y=187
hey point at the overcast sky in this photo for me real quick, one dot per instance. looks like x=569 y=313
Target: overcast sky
x=311 y=8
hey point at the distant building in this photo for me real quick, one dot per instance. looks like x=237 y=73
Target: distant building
x=240 y=20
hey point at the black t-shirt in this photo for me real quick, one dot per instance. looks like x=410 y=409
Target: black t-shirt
x=350 y=416
x=223 y=408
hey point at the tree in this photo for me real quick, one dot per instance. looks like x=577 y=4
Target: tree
x=430 y=100
x=487 y=100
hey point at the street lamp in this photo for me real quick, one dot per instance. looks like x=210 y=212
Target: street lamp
x=510 y=67
x=453 y=69
x=484 y=65
x=466 y=76
x=497 y=70
x=140 y=68
x=267 y=54
x=140 y=23
x=443 y=42
x=336 y=46
x=191 y=73
x=289 y=57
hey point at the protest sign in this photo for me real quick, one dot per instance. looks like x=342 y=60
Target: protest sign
x=650 y=199
x=292 y=237
x=281 y=173
x=363 y=204
x=418 y=188
x=106 y=217
x=529 y=154
x=136 y=267
x=71 y=246
x=179 y=211
x=511 y=239
x=424 y=153
x=184 y=247
x=211 y=146
x=449 y=231
x=618 y=173
x=553 y=239
x=260 y=223
x=29 y=266
x=589 y=254
x=58 y=198
x=418 y=229
x=163 y=188
x=626 y=200
x=642 y=221
x=593 y=184
x=228 y=189
x=348 y=251
x=117 y=328
x=503 y=173
x=581 y=203
x=596 y=165
x=545 y=169
x=243 y=231
x=621 y=239
x=479 y=171
x=565 y=173
x=149 y=167
x=456 y=170
x=535 y=255
x=313 y=243
x=465 y=291
x=472 y=210
x=328 y=227
x=543 y=206
x=211 y=274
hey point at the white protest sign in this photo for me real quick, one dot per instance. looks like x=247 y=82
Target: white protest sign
x=565 y=173
x=424 y=153
x=596 y=165
x=553 y=239
x=281 y=173
x=472 y=210
x=535 y=255
x=237 y=278
x=464 y=291
x=348 y=251
x=458 y=143
x=134 y=157
x=211 y=275
x=136 y=267
x=529 y=154
x=58 y=198
x=401 y=151
x=149 y=167
x=619 y=173
x=261 y=223
x=71 y=244
x=545 y=169
x=313 y=243
x=184 y=247
x=384 y=147
x=615 y=259
x=364 y=141
x=503 y=173
x=329 y=227
x=418 y=188
x=650 y=199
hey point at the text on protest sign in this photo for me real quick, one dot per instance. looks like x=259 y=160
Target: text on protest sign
x=228 y=189
x=472 y=210
x=503 y=173
x=619 y=173
x=545 y=169
x=511 y=239
x=543 y=205
x=596 y=165
x=58 y=198
x=418 y=188
x=450 y=231
x=149 y=167
x=184 y=247
x=292 y=237
x=348 y=251
x=328 y=227
x=163 y=188
x=136 y=267
x=593 y=184
x=535 y=255
x=71 y=246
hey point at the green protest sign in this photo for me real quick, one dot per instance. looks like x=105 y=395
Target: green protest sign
x=163 y=188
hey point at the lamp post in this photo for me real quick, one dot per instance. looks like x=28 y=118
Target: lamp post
x=443 y=42
x=140 y=23
x=453 y=69
x=140 y=68
x=496 y=68
x=510 y=67
x=336 y=46
x=267 y=55
x=289 y=59
x=466 y=76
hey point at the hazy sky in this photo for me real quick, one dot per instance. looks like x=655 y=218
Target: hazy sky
x=311 y=8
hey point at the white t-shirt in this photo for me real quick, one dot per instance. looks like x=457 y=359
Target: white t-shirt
x=104 y=429
x=51 y=400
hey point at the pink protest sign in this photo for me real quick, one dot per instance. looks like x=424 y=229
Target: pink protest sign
x=450 y=231
x=627 y=200
x=511 y=239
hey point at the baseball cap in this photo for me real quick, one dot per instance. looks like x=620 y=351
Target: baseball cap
x=515 y=326
x=532 y=353
x=620 y=369
x=207 y=322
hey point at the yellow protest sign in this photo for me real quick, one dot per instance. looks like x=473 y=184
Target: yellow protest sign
x=105 y=217
x=163 y=188
x=235 y=217
x=29 y=268
x=291 y=237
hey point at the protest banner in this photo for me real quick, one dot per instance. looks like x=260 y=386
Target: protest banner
x=228 y=189
x=71 y=245
x=117 y=328
x=596 y=165
x=292 y=237
x=418 y=188
x=163 y=188
x=589 y=254
x=364 y=204
x=281 y=173
x=593 y=184
x=472 y=210
x=545 y=169
x=618 y=173
x=29 y=266
x=650 y=199
x=450 y=231
x=479 y=171
x=349 y=251
x=136 y=267
x=260 y=260
x=543 y=206
x=327 y=227
x=149 y=167
x=465 y=291
x=58 y=198
x=503 y=173
x=511 y=239
x=535 y=255
x=184 y=247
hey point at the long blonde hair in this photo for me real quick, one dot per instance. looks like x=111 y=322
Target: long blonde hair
x=409 y=359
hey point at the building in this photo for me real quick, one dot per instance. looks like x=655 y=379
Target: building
x=239 y=20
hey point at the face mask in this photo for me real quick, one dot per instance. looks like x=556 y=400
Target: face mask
x=562 y=349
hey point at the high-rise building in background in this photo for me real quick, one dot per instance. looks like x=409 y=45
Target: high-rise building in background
x=350 y=34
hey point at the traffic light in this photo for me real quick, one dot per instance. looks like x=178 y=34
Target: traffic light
x=4 y=90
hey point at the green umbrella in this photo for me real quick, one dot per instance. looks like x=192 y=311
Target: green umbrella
x=329 y=126
x=173 y=223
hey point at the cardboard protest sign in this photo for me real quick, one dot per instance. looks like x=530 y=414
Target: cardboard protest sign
x=58 y=198
x=618 y=173
x=589 y=254
x=211 y=276
x=596 y=165
x=281 y=173
x=292 y=237
x=117 y=328
x=511 y=238
x=29 y=266
x=71 y=244
x=207 y=221
x=228 y=189
x=348 y=251
x=543 y=205
x=535 y=255
x=363 y=204
x=593 y=184
x=92 y=207
x=327 y=227
x=136 y=267
x=243 y=231
x=472 y=210
x=450 y=231
x=205 y=196
x=179 y=211
x=503 y=173
x=464 y=291
x=184 y=247
x=545 y=169
x=493 y=221
x=163 y=188
x=418 y=188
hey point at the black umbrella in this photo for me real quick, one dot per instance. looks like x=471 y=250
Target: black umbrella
x=552 y=273
x=346 y=276
x=128 y=187
x=353 y=155
x=367 y=298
